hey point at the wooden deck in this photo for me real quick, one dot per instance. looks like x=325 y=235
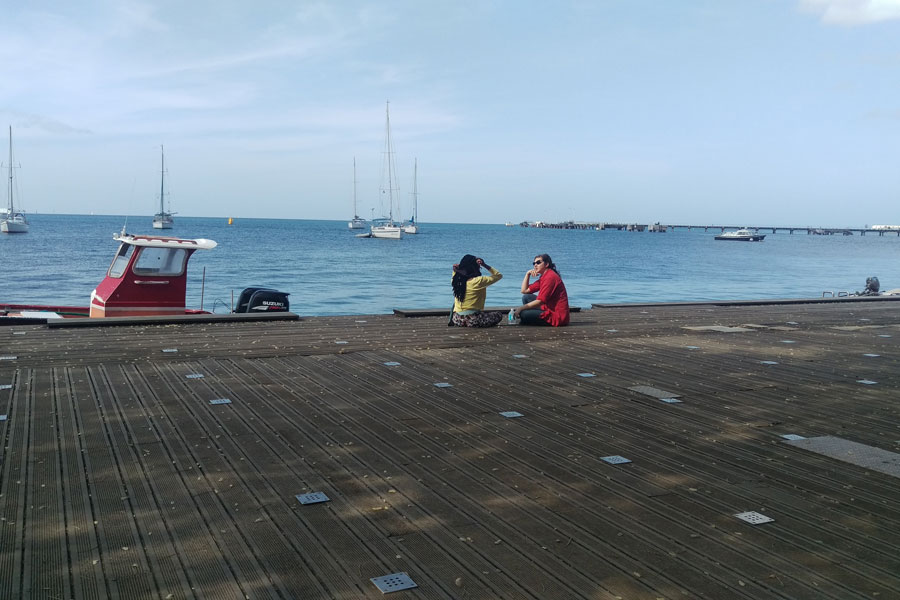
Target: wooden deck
x=119 y=479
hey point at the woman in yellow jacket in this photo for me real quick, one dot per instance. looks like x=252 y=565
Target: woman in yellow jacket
x=470 y=290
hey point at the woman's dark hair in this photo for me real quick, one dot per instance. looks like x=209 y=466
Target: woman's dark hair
x=548 y=261
x=466 y=269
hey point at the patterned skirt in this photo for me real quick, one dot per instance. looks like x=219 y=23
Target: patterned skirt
x=479 y=319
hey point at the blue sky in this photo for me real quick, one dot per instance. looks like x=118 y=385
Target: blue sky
x=782 y=112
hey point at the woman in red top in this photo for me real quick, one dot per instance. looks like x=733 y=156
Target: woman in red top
x=551 y=304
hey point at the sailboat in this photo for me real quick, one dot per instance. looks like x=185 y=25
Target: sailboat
x=413 y=225
x=163 y=219
x=357 y=222
x=385 y=227
x=13 y=221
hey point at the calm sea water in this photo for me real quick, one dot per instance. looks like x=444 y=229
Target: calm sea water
x=328 y=271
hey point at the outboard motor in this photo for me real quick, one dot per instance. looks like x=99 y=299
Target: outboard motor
x=261 y=299
x=872 y=287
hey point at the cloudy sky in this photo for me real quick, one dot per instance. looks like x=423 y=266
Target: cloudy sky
x=698 y=111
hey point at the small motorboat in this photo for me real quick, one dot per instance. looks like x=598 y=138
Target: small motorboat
x=148 y=277
x=741 y=235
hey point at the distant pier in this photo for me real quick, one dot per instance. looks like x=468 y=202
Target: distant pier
x=662 y=228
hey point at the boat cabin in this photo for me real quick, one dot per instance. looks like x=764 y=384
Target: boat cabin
x=147 y=277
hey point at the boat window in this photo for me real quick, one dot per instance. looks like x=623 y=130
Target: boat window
x=160 y=261
x=117 y=268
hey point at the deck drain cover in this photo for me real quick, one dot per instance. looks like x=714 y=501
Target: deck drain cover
x=312 y=498
x=362 y=321
x=615 y=460
x=788 y=342
x=612 y=330
x=170 y=349
x=442 y=384
x=768 y=362
x=872 y=355
x=671 y=400
x=855 y=453
x=884 y=335
x=392 y=364
x=2 y=417
x=793 y=436
x=511 y=414
x=754 y=518
x=793 y=323
x=866 y=381
x=520 y=356
x=692 y=347
x=8 y=357
x=586 y=375
x=652 y=391
x=6 y=386
x=393 y=582
x=220 y=401
x=341 y=342
x=719 y=328
x=194 y=376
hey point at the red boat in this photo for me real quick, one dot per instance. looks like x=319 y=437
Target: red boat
x=148 y=277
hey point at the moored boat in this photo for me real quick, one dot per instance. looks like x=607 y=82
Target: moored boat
x=741 y=235
x=163 y=219
x=12 y=221
x=386 y=228
x=148 y=277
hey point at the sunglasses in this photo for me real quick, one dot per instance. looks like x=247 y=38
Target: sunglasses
x=537 y=262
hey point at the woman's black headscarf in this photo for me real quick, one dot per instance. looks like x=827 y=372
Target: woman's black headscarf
x=466 y=269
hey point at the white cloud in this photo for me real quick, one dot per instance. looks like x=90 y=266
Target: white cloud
x=853 y=12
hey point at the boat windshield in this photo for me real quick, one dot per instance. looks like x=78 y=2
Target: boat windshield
x=161 y=261
x=117 y=268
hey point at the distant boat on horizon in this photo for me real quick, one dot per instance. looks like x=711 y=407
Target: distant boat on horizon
x=413 y=225
x=163 y=219
x=13 y=221
x=385 y=227
x=357 y=222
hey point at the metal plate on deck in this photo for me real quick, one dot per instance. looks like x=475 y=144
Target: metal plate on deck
x=612 y=330
x=520 y=356
x=792 y=323
x=18 y=333
x=719 y=328
x=788 y=342
x=442 y=384
x=884 y=335
x=194 y=376
x=8 y=357
x=392 y=364
x=393 y=582
x=652 y=391
x=793 y=436
x=615 y=460
x=754 y=518
x=670 y=400
x=511 y=414
x=2 y=417
x=866 y=381
x=768 y=362
x=170 y=350
x=6 y=386
x=220 y=401
x=872 y=355
x=692 y=347
x=312 y=498
x=854 y=453
x=586 y=375
x=341 y=342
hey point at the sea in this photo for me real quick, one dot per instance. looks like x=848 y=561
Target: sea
x=327 y=270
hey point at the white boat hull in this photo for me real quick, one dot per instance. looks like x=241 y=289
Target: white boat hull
x=162 y=225
x=411 y=229
x=387 y=232
x=13 y=227
x=357 y=224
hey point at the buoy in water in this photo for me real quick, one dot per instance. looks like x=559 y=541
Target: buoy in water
x=230 y=221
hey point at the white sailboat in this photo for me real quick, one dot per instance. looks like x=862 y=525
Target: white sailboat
x=413 y=225
x=357 y=222
x=385 y=227
x=12 y=221
x=163 y=219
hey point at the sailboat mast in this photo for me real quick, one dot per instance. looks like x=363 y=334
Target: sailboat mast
x=355 y=213
x=415 y=193
x=162 y=179
x=11 y=208
x=389 y=152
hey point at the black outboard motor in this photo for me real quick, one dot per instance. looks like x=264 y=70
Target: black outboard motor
x=261 y=299
x=872 y=288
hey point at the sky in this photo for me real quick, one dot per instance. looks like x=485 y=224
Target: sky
x=736 y=112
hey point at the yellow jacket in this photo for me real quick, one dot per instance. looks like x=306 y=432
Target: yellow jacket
x=476 y=292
